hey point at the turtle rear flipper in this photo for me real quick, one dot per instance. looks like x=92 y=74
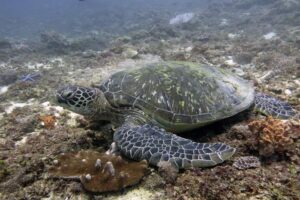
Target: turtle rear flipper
x=271 y=106
x=155 y=144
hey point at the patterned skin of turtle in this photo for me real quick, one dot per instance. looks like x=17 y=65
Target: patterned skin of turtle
x=149 y=103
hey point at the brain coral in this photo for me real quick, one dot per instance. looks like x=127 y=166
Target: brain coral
x=98 y=172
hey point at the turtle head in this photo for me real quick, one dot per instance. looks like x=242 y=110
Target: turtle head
x=82 y=100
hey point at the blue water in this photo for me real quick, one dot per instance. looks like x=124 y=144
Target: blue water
x=28 y=18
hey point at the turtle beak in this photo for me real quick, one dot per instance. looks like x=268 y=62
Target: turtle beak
x=60 y=99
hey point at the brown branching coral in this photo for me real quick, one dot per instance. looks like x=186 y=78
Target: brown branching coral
x=48 y=121
x=98 y=172
x=274 y=135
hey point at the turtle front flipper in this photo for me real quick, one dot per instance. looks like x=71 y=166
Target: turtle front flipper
x=268 y=105
x=155 y=144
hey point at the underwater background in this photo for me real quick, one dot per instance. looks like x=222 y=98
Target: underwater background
x=47 y=44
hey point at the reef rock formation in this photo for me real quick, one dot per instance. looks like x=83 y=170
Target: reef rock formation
x=98 y=172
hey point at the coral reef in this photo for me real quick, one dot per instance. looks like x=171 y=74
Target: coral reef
x=246 y=162
x=227 y=34
x=274 y=135
x=48 y=121
x=168 y=171
x=98 y=172
x=55 y=42
x=227 y=182
x=7 y=77
x=4 y=171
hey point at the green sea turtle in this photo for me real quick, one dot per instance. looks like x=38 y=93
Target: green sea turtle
x=150 y=102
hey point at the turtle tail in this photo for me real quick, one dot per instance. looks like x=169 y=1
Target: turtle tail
x=271 y=106
x=156 y=145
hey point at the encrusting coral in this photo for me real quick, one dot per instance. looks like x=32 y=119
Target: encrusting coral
x=98 y=172
x=274 y=135
x=48 y=121
x=167 y=171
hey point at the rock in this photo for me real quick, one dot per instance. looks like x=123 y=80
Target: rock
x=287 y=92
x=167 y=171
x=8 y=77
x=270 y=35
x=238 y=71
x=267 y=76
x=129 y=53
x=4 y=44
x=230 y=61
x=55 y=41
x=244 y=58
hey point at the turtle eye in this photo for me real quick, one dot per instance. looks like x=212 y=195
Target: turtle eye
x=67 y=94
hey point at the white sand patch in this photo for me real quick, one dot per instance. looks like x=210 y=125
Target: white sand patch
x=3 y=89
x=57 y=109
x=2 y=65
x=230 y=61
x=288 y=92
x=248 y=66
x=34 y=66
x=188 y=49
x=182 y=18
x=224 y=22
x=12 y=105
x=270 y=35
x=55 y=62
x=56 y=59
x=233 y=35
x=50 y=63
x=24 y=140
x=238 y=71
